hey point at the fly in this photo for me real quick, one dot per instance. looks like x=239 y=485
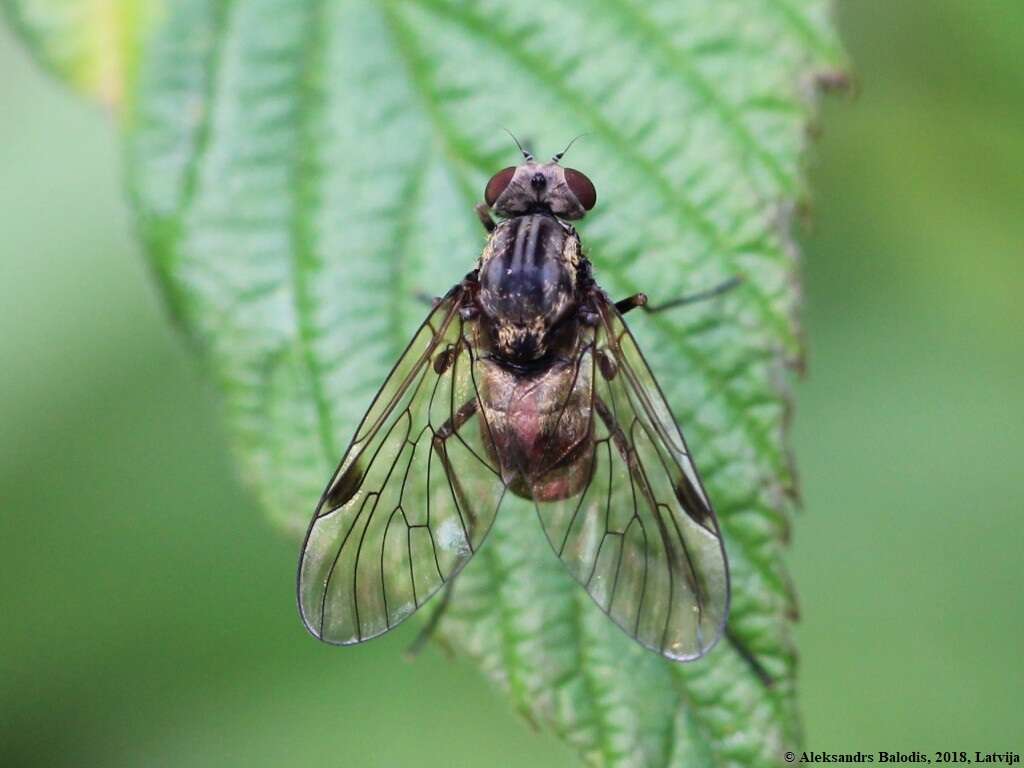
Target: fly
x=524 y=379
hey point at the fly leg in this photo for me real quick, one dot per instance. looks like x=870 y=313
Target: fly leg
x=439 y=447
x=484 y=213
x=748 y=656
x=640 y=299
x=425 y=298
x=431 y=626
x=625 y=449
x=623 y=446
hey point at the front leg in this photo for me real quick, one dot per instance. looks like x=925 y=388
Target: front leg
x=484 y=213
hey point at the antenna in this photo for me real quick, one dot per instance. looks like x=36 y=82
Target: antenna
x=527 y=155
x=561 y=154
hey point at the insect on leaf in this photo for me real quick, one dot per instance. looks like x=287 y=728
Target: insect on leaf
x=413 y=498
x=301 y=169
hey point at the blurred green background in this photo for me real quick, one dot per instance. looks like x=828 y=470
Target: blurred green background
x=147 y=616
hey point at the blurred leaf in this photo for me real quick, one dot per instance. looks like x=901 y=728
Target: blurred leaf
x=301 y=169
x=94 y=45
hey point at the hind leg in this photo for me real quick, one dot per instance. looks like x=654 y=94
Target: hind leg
x=640 y=299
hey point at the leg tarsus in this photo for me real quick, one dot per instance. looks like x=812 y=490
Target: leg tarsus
x=431 y=626
x=425 y=298
x=640 y=299
x=748 y=656
x=485 y=216
x=693 y=298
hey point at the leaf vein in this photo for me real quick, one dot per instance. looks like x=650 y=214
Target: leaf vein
x=684 y=66
x=302 y=251
x=591 y=111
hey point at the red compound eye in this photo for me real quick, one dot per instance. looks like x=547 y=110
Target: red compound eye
x=497 y=184
x=582 y=187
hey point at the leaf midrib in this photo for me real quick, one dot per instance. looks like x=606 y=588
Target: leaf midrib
x=445 y=131
x=715 y=240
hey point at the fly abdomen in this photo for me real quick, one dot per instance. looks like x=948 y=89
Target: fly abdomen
x=537 y=427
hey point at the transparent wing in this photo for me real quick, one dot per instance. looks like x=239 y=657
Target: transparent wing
x=641 y=537
x=413 y=497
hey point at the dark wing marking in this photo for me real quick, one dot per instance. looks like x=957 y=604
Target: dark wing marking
x=641 y=537
x=413 y=497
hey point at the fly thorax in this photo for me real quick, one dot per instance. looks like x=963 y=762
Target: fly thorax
x=527 y=283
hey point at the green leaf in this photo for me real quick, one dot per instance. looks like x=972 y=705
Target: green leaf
x=300 y=169
x=93 y=45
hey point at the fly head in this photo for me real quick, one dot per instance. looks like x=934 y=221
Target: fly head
x=533 y=187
